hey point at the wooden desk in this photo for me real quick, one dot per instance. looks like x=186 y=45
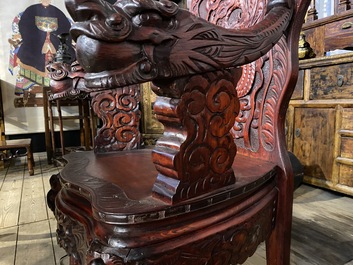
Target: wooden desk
x=20 y=143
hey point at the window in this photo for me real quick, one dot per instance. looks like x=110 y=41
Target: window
x=324 y=8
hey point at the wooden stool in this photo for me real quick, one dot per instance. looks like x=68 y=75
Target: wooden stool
x=20 y=143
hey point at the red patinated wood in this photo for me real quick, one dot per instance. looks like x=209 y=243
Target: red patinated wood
x=219 y=181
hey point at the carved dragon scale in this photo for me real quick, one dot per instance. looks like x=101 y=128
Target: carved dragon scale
x=153 y=40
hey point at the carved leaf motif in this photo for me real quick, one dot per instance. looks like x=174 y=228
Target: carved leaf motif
x=250 y=105
x=233 y=14
x=254 y=125
x=267 y=132
x=245 y=83
x=280 y=61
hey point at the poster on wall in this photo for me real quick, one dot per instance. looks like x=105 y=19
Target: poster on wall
x=28 y=39
x=33 y=45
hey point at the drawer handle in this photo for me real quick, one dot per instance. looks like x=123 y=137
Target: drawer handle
x=340 y=80
x=297 y=132
x=346 y=25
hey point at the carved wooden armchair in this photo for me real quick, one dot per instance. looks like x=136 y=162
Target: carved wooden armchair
x=219 y=181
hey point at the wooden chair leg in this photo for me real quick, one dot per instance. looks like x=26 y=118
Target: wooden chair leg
x=278 y=245
x=30 y=161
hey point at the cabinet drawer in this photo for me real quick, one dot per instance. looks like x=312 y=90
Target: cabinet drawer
x=346 y=173
x=339 y=34
x=332 y=82
x=347 y=120
x=347 y=147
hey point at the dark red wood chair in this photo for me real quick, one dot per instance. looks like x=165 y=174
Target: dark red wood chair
x=219 y=181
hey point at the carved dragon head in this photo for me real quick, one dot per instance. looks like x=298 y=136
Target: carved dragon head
x=134 y=41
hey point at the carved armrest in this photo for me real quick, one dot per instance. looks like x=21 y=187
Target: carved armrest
x=194 y=66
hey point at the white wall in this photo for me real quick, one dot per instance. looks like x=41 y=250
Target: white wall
x=28 y=119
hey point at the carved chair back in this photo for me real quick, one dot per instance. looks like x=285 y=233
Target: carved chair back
x=265 y=85
x=263 y=90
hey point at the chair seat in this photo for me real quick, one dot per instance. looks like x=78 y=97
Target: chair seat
x=132 y=174
x=129 y=219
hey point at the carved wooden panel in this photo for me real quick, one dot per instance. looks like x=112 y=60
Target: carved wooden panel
x=228 y=236
x=198 y=158
x=251 y=130
x=257 y=90
x=119 y=110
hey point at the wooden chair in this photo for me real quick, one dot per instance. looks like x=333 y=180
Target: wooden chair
x=219 y=181
x=16 y=144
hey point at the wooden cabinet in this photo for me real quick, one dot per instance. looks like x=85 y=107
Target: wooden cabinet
x=329 y=32
x=320 y=115
x=320 y=122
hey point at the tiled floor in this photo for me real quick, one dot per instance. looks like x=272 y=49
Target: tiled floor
x=322 y=221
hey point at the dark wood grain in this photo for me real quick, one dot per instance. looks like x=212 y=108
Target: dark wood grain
x=219 y=180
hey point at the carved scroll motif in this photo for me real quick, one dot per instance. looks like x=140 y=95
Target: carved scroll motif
x=196 y=151
x=232 y=246
x=71 y=237
x=119 y=111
